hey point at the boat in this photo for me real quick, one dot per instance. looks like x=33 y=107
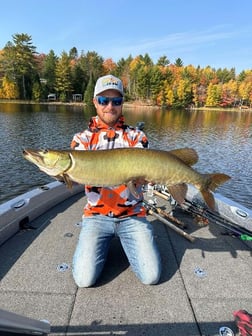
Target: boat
x=207 y=269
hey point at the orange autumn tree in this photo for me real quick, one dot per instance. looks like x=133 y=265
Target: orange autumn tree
x=109 y=66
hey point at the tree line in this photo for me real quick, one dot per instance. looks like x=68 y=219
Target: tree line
x=28 y=75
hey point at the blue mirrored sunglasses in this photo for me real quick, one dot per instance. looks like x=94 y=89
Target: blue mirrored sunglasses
x=116 y=101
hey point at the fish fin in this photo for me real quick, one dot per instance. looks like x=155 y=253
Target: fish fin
x=213 y=181
x=178 y=192
x=216 y=179
x=59 y=178
x=132 y=188
x=188 y=155
x=67 y=180
x=208 y=198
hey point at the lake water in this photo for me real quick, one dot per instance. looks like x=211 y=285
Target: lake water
x=222 y=139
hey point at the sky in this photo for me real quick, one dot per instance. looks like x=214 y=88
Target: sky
x=216 y=33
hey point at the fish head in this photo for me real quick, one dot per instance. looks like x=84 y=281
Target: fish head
x=52 y=162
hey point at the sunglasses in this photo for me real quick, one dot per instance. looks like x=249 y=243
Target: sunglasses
x=116 y=101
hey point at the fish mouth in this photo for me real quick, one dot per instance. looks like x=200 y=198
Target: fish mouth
x=32 y=152
x=36 y=156
x=33 y=155
x=26 y=152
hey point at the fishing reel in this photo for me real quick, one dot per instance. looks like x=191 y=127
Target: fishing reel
x=152 y=191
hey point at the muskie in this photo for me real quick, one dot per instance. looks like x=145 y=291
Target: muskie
x=126 y=166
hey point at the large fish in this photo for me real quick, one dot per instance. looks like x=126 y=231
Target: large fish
x=127 y=166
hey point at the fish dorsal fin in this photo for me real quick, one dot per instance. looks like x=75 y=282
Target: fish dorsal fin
x=188 y=155
x=178 y=192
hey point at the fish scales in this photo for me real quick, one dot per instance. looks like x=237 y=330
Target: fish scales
x=128 y=166
x=118 y=166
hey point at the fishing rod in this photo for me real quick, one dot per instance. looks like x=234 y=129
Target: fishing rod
x=205 y=215
x=215 y=218
x=153 y=210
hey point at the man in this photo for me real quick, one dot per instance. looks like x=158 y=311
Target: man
x=113 y=211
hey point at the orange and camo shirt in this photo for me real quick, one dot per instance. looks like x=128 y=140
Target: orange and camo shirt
x=115 y=201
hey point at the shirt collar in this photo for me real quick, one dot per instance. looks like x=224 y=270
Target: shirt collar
x=96 y=124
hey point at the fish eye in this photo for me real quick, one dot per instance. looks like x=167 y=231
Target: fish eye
x=45 y=151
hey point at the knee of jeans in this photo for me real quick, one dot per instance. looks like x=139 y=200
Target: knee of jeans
x=83 y=280
x=151 y=278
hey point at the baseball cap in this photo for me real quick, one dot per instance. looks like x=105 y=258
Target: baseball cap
x=108 y=82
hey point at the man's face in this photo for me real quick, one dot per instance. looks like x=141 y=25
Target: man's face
x=109 y=112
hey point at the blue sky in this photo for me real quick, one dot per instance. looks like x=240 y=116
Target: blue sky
x=200 y=32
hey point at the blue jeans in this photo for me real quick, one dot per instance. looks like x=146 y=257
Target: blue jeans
x=137 y=240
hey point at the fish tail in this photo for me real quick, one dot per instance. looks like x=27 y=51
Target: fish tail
x=216 y=179
x=212 y=182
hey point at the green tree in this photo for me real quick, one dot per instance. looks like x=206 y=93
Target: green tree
x=48 y=72
x=140 y=71
x=92 y=64
x=163 y=61
x=63 y=77
x=7 y=62
x=89 y=64
x=73 y=53
x=178 y=62
x=122 y=71
x=21 y=63
x=156 y=83
x=88 y=95
x=183 y=94
x=79 y=78
x=225 y=75
x=36 y=91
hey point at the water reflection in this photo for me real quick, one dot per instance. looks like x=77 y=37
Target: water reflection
x=222 y=139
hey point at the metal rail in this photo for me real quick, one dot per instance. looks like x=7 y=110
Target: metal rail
x=18 y=324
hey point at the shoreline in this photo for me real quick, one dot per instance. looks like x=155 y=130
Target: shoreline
x=131 y=105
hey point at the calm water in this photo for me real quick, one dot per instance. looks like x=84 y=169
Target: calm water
x=223 y=141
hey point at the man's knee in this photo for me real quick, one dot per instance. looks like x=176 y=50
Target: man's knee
x=150 y=276
x=151 y=279
x=83 y=281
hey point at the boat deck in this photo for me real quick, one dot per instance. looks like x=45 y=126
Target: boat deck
x=202 y=282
